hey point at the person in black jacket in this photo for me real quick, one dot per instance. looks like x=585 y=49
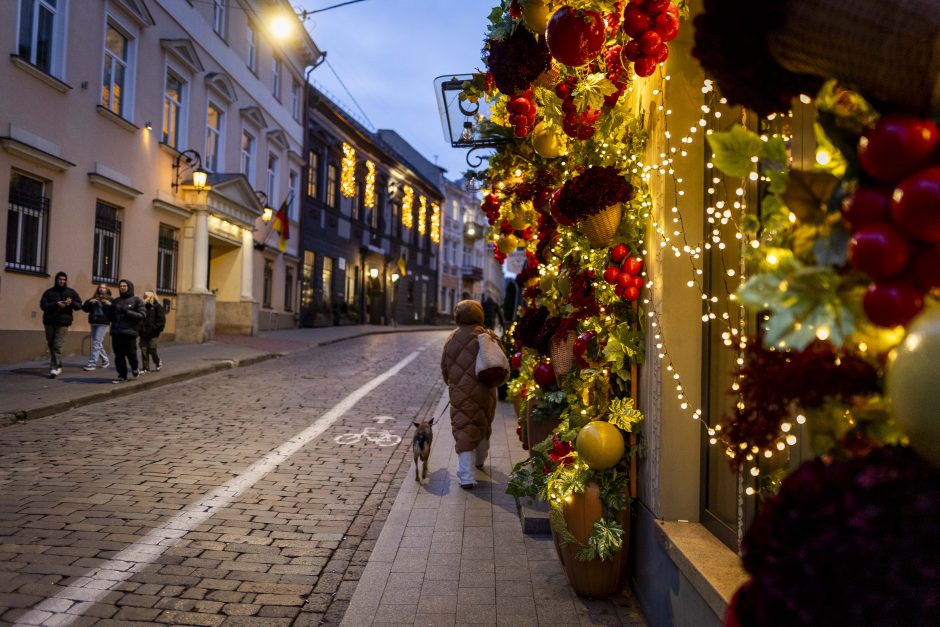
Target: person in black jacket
x=98 y=307
x=491 y=313
x=57 y=304
x=126 y=313
x=150 y=329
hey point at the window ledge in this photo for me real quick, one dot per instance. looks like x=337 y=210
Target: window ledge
x=34 y=154
x=712 y=568
x=111 y=185
x=42 y=75
x=124 y=123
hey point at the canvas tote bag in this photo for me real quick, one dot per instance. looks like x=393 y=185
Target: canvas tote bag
x=492 y=367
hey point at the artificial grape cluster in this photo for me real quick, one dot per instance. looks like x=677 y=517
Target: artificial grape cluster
x=576 y=124
x=522 y=110
x=616 y=74
x=623 y=272
x=490 y=208
x=650 y=24
x=895 y=219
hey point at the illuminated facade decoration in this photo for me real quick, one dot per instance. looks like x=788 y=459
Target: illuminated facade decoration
x=369 y=198
x=435 y=223
x=347 y=179
x=423 y=215
x=407 y=202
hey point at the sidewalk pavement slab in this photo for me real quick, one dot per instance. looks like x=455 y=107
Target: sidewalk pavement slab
x=448 y=556
x=27 y=392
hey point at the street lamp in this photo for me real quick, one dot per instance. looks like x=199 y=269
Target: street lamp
x=374 y=273
x=189 y=160
x=395 y=277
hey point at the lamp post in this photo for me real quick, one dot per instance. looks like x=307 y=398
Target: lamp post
x=192 y=161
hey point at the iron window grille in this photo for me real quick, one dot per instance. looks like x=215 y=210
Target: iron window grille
x=167 y=255
x=107 y=247
x=27 y=225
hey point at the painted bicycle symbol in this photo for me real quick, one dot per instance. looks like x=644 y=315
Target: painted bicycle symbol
x=380 y=437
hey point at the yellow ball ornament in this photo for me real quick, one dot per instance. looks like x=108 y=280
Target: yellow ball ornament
x=912 y=385
x=547 y=143
x=507 y=244
x=600 y=445
x=535 y=14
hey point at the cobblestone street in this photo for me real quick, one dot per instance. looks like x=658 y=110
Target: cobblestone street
x=281 y=542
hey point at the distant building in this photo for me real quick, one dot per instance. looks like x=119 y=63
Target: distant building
x=103 y=100
x=371 y=206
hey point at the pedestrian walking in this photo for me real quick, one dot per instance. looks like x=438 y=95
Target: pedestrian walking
x=127 y=311
x=150 y=329
x=492 y=313
x=98 y=308
x=57 y=304
x=472 y=404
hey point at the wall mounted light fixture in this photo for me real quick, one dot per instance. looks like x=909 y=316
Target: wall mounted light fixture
x=191 y=161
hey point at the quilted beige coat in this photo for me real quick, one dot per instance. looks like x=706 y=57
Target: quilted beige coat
x=472 y=404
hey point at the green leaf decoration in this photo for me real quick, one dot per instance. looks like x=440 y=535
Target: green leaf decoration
x=734 y=149
x=606 y=538
x=807 y=194
x=623 y=414
x=773 y=152
x=834 y=249
x=591 y=90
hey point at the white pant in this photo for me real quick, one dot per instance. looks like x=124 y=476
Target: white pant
x=97 y=345
x=467 y=460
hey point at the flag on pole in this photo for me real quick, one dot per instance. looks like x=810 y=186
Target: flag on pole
x=282 y=223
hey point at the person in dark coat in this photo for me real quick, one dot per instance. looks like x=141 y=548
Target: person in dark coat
x=98 y=307
x=57 y=304
x=150 y=329
x=126 y=313
x=491 y=313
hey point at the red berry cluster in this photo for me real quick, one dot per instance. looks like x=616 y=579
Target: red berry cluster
x=616 y=74
x=500 y=255
x=651 y=23
x=895 y=223
x=613 y=19
x=490 y=208
x=623 y=272
x=576 y=124
x=522 y=112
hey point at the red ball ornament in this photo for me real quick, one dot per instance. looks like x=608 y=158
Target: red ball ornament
x=631 y=293
x=559 y=217
x=611 y=274
x=657 y=6
x=649 y=42
x=926 y=269
x=632 y=51
x=892 y=304
x=879 y=251
x=618 y=253
x=915 y=205
x=580 y=347
x=516 y=361
x=575 y=36
x=625 y=280
x=897 y=146
x=644 y=66
x=544 y=375
x=636 y=21
x=632 y=265
x=667 y=25
x=661 y=53
x=866 y=205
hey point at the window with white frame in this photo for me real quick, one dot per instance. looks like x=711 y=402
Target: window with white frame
x=218 y=17
x=295 y=99
x=116 y=76
x=41 y=39
x=455 y=210
x=272 y=178
x=293 y=183
x=313 y=174
x=27 y=224
x=252 y=55
x=276 y=77
x=107 y=246
x=248 y=155
x=173 y=94
x=167 y=247
x=214 y=136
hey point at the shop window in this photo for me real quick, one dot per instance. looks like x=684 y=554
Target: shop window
x=307 y=291
x=107 y=246
x=27 y=224
x=326 y=280
x=167 y=255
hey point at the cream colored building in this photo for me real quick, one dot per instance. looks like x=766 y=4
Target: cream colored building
x=102 y=99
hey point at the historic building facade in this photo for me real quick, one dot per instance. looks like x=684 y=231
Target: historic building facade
x=118 y=106
x=372 y=209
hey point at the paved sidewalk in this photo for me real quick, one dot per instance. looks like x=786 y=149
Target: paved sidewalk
x=447 y=556
x=26 y=392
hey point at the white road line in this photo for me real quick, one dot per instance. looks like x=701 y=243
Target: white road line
x=96 y=585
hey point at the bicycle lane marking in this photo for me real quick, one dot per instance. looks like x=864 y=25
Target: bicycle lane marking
x=96 y=585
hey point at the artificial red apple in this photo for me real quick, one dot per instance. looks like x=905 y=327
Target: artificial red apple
x=879 y=251
x=618 y=253
x=575 y=36
x=631 y=293
x=638 y=282
x=897 y=146
x=516 y=361
x=866 y=205
x=632 y=265
x=915 y=205
x=667 y=25
x=657 y=6
x=636 y=21
x=611 y=275
x=544 y=375
x=926 y=269
x=892 y=304
x=625 y=280
x=644 y=66
x=649 y=41
x=580 y=347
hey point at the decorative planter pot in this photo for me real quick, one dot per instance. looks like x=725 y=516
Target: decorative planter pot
x=600 y=227
x=563 y=355
x=537 y=431
x=595 y=579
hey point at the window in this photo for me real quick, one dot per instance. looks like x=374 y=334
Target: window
x=115 y=76
x=455 y=210
x=214 y=129
x=276 y=77
x=306 y=294
x=352 y=284
x=289 y=289
x=27 y=224
x=272 y=178
x=293 y=183
x=107 y=243
x=218 y=17
x=295 y=99
x=252 y=50
x=248 y=155
x=327 y=282
x=268 y=281
x=167 y=246
x=466 y=255
x=172 y=109
x=41 y=34
x=332 y=191
x=313 y=174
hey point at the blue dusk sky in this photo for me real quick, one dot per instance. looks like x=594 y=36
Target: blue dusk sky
x=388 y=53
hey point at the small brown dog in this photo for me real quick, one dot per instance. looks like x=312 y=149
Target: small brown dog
x=421 y=446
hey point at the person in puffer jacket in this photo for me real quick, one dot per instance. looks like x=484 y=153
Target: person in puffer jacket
x=150 y=329
x=98 y=308
x=126 y=313
x=472 y=404
x=57 y=304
